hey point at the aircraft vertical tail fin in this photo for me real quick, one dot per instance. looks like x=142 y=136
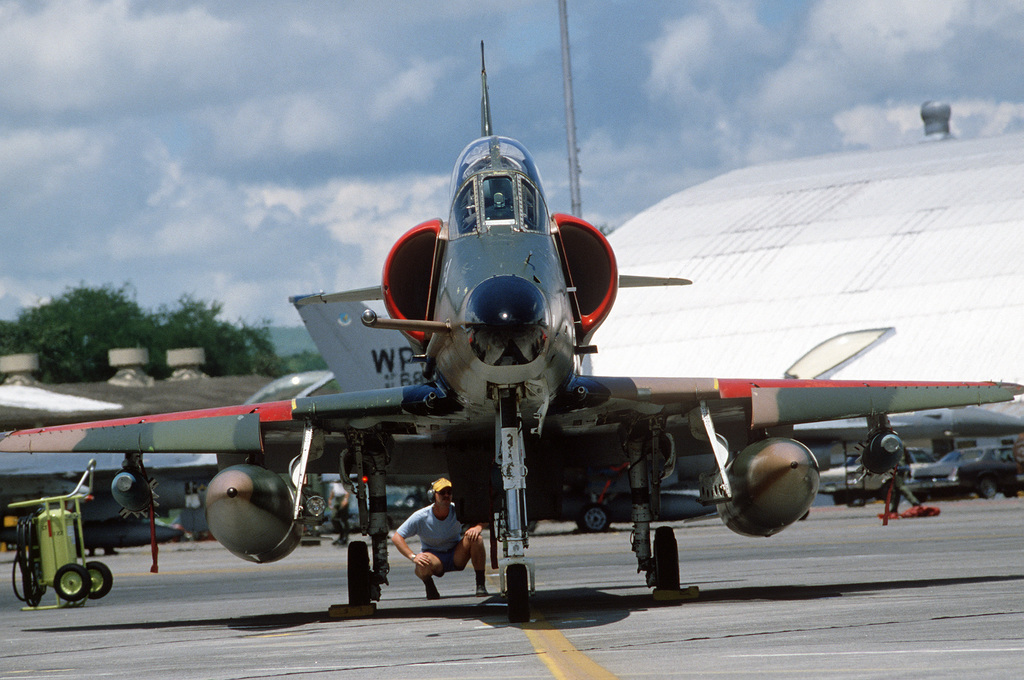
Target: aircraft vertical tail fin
x=485 y=102
x=361 y=358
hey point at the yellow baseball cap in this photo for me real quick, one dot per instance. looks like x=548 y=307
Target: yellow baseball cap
x=442 y=483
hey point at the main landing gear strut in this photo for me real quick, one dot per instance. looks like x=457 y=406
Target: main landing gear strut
x=648 y=448
x=368 y=455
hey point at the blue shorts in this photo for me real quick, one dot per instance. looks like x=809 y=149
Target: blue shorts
x=447 y=558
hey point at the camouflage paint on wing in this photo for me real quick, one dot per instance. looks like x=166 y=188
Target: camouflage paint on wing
x=233 y=433
x=775 y=405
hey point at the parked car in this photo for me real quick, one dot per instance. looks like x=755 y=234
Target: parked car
x=984 y=471
x=598 y=515
x=848 y=485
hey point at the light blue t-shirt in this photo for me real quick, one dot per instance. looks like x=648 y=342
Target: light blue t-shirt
x=434 y=533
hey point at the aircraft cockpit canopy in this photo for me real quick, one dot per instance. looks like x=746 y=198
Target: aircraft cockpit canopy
x=496 y=181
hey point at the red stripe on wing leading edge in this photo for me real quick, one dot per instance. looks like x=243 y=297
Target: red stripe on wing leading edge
x=272 y=411
x=736 y=388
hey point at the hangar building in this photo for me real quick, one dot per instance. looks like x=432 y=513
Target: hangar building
x=926 y=239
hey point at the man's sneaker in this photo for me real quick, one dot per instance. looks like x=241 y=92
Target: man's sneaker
x=481 y=591
x=432 y=593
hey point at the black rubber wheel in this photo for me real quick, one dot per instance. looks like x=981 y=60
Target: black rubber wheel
x=358 y=573
x=72 y=582
x=987 y=488
x=593 y=518
x=666 y=559
x=100 y=578
x=517 y=583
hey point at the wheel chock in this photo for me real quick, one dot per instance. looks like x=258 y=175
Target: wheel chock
x=676 y=595
x=352 y=611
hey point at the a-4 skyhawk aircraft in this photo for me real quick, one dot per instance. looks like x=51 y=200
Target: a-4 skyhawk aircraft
x=499 y=302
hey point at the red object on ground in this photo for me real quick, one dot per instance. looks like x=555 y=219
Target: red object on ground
x=920 y=511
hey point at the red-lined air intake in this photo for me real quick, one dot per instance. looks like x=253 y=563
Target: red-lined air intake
x=589 y=267
x=408 y=279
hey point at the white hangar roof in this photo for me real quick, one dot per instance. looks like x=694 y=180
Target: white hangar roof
x=927 y=239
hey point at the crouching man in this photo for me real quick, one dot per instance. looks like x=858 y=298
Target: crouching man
x=444 y=545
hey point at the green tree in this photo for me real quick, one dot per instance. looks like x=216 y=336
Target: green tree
x=74 y=331
x=303 y=361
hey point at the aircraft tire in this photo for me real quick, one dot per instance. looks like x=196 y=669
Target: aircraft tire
x=358 y=573
x=72 y=582
x=100 y=579
x=517 y=582
x=666 y=559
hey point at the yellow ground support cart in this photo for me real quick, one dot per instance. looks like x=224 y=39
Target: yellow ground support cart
x=51 y=552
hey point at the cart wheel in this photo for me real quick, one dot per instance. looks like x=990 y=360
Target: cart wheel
x=72 y=582
x=593 y=518
x=101 y=580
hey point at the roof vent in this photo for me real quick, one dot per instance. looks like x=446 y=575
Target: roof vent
x=936 y=120
x=19 y=368
x=186 y=363
x=129 y=362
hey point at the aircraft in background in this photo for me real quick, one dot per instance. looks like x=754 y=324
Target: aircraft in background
x=360 y=358
x=499 y=303
x=27 y=476
x=182 y=481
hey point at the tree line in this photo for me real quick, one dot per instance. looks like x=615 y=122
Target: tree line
x=73 y=332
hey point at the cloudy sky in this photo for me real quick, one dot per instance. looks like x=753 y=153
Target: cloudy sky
x=245 y=152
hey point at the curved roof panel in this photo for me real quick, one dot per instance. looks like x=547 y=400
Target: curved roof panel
x=927 y=239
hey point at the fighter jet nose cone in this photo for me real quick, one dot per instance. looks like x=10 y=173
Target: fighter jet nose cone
x=506 y=319
x=505 y=301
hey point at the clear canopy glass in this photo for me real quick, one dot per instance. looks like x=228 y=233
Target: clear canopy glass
x=496 y=182
x=493 y=153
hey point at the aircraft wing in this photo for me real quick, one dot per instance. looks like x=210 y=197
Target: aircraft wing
x=234 y=429
x=754 y=403
x=769 y=403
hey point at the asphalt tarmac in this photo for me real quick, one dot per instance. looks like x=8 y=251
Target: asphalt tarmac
x=837 y=596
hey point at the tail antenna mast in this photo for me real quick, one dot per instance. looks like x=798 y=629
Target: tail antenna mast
x=485 y=102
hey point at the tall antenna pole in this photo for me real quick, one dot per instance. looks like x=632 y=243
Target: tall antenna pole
x=570 y=115
x=485 y=101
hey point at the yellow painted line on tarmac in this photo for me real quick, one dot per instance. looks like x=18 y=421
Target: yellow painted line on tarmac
x=276 y=635
x=560 y=656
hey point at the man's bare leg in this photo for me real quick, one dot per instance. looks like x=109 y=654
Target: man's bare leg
x=428 y=565
x=471 y=549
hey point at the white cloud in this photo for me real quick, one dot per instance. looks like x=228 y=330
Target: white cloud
x=292 y=124
x=986 y=118
x=892 y=125
x=38 y=164
x=412 y=86
x=693 y=59
x=81 y=55
x=251 y=152
x=879 y=127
